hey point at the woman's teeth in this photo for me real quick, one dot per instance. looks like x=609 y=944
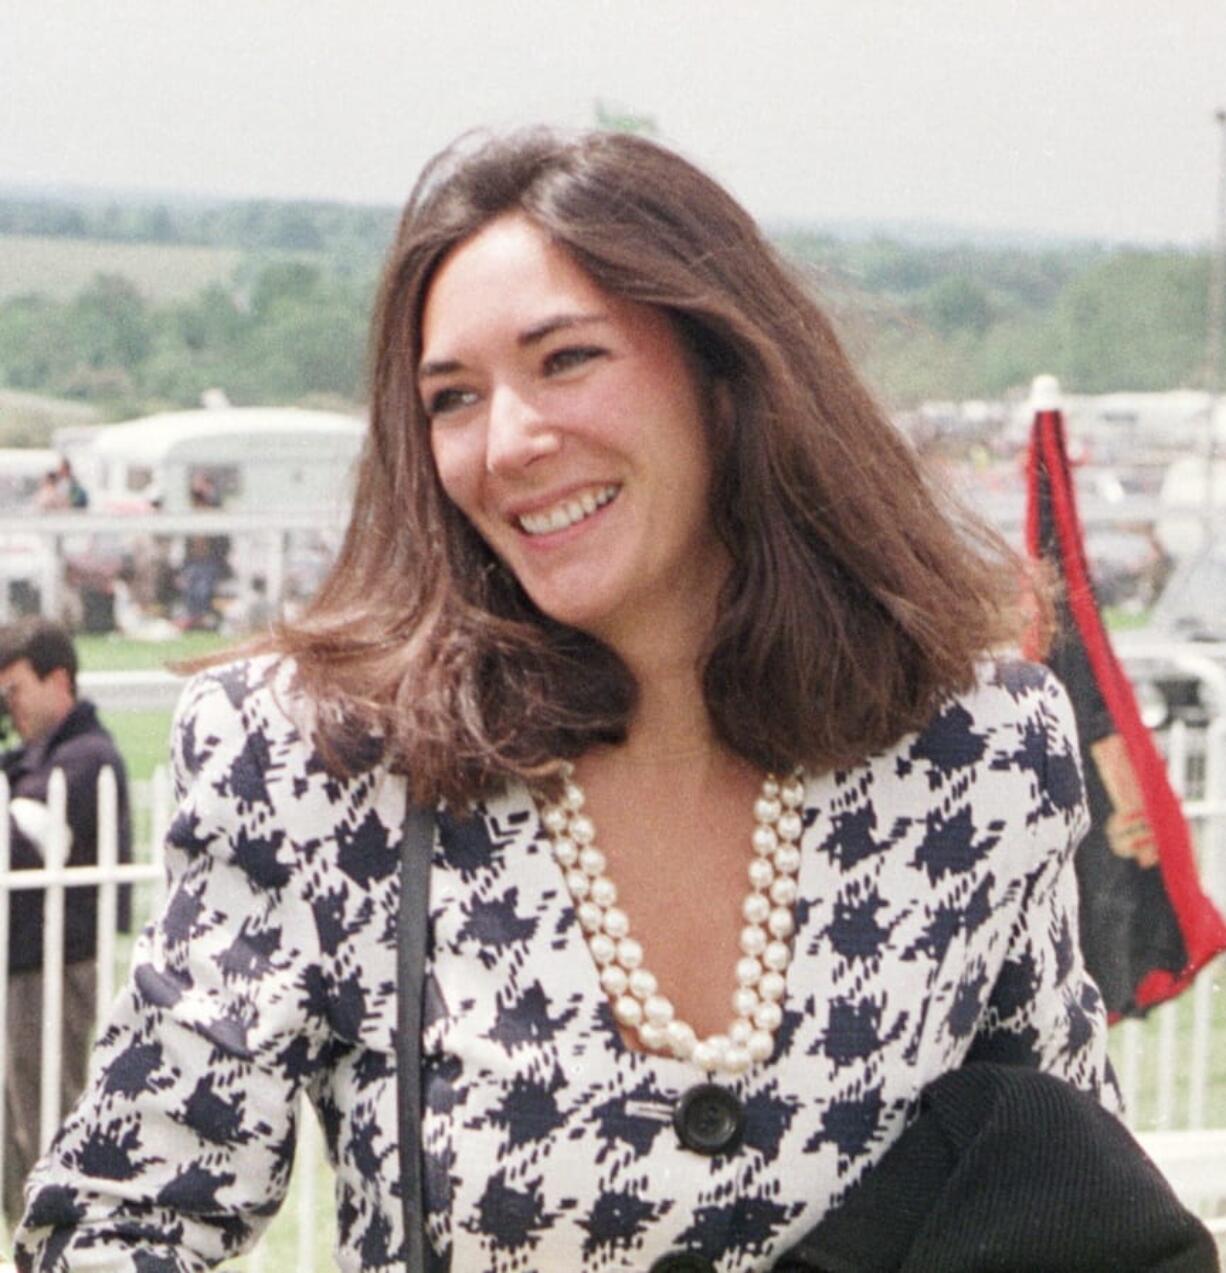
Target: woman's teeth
x=567 y=512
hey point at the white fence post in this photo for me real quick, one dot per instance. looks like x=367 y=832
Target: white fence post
x=108 y=890
x=56 y=855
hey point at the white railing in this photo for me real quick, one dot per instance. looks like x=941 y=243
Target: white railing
x=1165 y=1063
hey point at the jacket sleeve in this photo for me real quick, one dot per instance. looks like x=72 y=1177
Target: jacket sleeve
x=1045 y=1010
x=180 y=1150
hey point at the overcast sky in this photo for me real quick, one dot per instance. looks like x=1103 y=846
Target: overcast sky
x=1069 y=117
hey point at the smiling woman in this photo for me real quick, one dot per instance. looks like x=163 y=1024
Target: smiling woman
x=742 y=836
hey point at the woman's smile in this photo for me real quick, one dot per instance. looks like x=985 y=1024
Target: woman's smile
x=568 y=511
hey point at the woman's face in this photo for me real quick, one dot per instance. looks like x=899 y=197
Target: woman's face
x=567 y=425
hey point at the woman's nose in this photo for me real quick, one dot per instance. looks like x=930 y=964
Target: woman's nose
x=517 y=433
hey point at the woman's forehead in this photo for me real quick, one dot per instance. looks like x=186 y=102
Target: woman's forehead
x=510 y=282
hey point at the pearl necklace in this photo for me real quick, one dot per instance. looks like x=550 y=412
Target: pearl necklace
x=766 y=953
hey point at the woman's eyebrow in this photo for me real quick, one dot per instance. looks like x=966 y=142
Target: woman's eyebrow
x=530 y=336
x=540 y=330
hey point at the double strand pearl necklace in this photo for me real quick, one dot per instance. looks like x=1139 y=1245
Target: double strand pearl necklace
x=765 y=939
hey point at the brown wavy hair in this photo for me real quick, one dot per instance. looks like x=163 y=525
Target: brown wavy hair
x=855 y=601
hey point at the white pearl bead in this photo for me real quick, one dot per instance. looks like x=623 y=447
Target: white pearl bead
x=755 y=909
x=736 y=1060
x=604 y=891
x=614 y=980
x=591 y=861
x=767 y=911
x=681 y=1038
x=658 y=1010
x=566 y=851
x=744 y=1001
x=616 y=923
x=643 y=983
x=765 y=841
x=761 y=1045
x=653 y=1036
x=761 y=872
x=628 y=1010
x=590 y=916
x=753 y=939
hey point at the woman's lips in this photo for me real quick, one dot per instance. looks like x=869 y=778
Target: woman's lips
x=568 y=511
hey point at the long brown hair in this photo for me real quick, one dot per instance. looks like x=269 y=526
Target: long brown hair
x=855 y=602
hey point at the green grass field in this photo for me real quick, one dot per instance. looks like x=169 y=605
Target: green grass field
x=61 y=267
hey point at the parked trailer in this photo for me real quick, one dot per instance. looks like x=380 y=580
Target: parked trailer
x=257 y=459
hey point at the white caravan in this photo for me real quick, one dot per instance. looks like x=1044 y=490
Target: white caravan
x=249 y=459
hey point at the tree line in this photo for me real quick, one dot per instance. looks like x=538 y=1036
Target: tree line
x=945 y=321
x=342 y=232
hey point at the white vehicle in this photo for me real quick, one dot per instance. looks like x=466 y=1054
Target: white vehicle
x=240 y=459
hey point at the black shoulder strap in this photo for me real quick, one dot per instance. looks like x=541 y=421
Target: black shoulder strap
x=416 y=849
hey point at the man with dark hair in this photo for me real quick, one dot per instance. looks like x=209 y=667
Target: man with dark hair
x=38 y=690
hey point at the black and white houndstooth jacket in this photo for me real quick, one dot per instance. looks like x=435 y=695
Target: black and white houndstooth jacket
x=937 y=921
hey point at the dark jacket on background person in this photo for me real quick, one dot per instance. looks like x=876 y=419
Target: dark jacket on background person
x=1009 y=1170
x=80 y=746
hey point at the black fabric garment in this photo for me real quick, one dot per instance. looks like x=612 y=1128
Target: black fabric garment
x=1008 y=1170
x=81 y=747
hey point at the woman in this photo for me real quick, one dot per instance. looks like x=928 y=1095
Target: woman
x=643 y=592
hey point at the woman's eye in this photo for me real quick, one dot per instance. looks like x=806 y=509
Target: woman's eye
x=571 y=356
x=446 y=400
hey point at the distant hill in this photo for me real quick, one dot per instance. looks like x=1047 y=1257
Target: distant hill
x=61 y=267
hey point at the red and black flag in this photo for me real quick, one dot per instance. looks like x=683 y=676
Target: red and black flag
x=1146 y=926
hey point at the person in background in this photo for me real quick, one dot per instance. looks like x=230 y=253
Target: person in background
x=58 y=730
x=75 y=495
x=50 y=496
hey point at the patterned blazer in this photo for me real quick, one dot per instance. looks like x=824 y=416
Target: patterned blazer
x=937 y=920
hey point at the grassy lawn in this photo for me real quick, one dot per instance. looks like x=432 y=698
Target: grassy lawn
x=60 y=267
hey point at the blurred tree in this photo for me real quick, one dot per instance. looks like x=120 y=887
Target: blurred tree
x=108 y=324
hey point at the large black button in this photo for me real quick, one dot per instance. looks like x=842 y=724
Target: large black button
x=682 y=1262
x=709 y=1119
